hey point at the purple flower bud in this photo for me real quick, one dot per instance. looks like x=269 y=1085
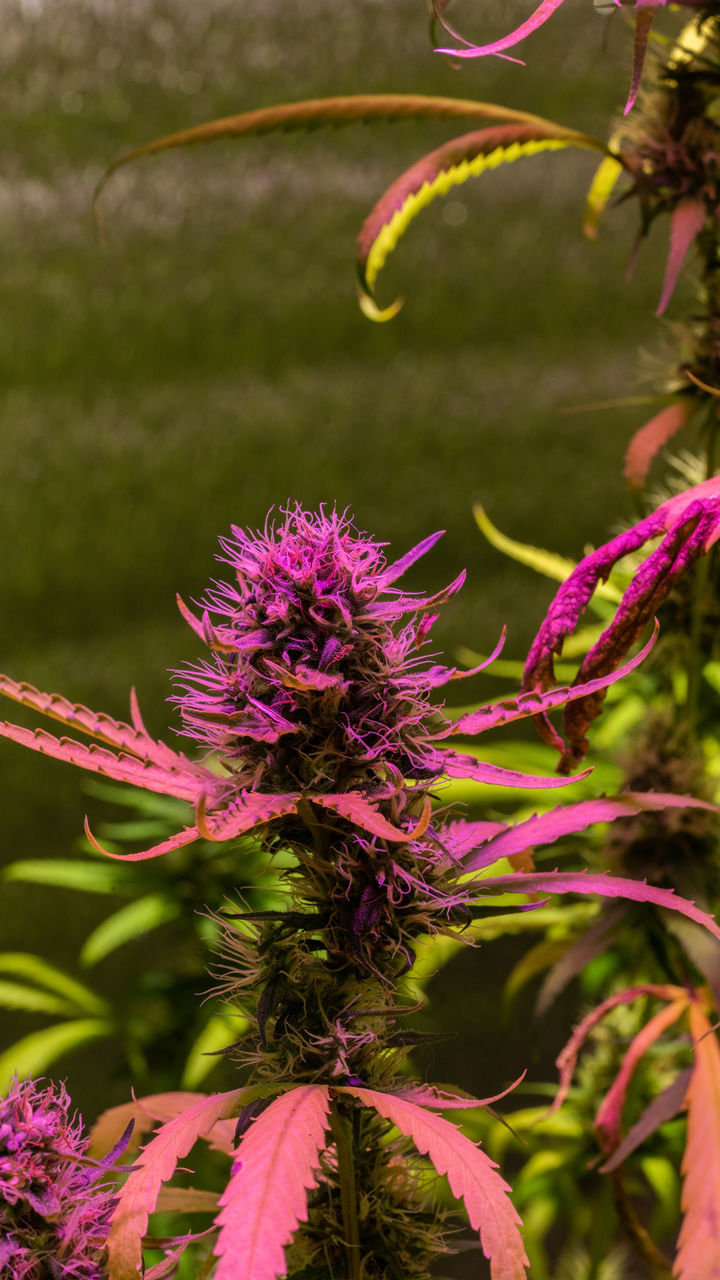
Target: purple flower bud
x=54 y=1211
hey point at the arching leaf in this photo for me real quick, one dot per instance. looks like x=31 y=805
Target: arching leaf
x=662 y=1108
x=356 y=809
x=472 y=1175
x=544 y=10
x=129 y=922
x=68 y=873
x=33 y=968
x=266 y=1197
x=434 y=175
x=546 y=562
x=601 y=189
x=456 y=764
x=698 y=1256
x=219 y=1031
x=608 y=1121
x=33 y=1055
x=546 y=828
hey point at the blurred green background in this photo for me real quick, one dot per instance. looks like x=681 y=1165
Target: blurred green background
x=211 y=361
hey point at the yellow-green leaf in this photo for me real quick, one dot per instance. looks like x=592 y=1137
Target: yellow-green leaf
x=129 y=922
x=38 y=1051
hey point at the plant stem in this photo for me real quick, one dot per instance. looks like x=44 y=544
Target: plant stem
x=343 y=1134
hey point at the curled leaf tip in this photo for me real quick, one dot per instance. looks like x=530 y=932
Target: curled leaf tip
x=372 y=311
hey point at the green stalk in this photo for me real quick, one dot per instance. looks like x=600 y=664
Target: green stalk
x=342 y=1131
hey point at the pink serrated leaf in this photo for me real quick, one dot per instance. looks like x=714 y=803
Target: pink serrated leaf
x=698 y=1255
x=546 y=828
x=144 y=1112
x=187 y=836
x=536 y=702
x=137 y=1198
x=687 y=221
x=460 y=838
x=608 y=1121
x=242 y=814
x=457 y=765
x=602 y=883
x=438 y=1099
x=647 y=442
x=472 y=1176
x=356 y=809
x=266 y=1197
x=184 y=783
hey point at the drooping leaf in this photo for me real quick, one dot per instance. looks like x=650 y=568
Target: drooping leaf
x=129 y=922
x=188 y=835
x=702 y=950
x=698 y=1255
x=137 y=1198
x=662 y=1108
x=647 y=442
x=608 y=1121
x=186 y=784
x=472 y=1176
x=25 y=965
x=434 y=175
x=32 y=1055
x=547 y=563
x=437 y=1098
x=532 y=962
x=546 y=828
x=607 y=886
x=266 y=1197
x=567 y=1058
x=686 y=223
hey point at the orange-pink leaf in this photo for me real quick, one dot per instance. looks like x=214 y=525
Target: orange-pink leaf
x=698 y=1256
x=686 y=223
x=145 y=1112
x=157 y=1164
x=647 y=442
x=266 y=1197
x=472 y=1175
x=608 y=1120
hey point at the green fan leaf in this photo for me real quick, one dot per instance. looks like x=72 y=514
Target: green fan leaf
x=219 y=1031
x=66 y=873
x=547 y=563
x=434 y=175
x=322 y=113
x=129 y=922
x=36 y=1052
x=15 y=995
x=34 y=969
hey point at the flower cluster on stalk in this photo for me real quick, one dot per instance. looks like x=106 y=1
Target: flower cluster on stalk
x=54 y=1211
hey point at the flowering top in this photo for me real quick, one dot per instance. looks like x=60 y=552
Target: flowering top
x=54 y=1219
x=308 y=681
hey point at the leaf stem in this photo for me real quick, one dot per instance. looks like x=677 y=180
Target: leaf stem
x=342 y=1131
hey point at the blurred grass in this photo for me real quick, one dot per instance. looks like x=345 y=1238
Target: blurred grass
x=212 y=362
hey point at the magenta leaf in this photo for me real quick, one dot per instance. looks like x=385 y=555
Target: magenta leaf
x=242 y=813
x=472 y=1176
x=185 y=784
x=458 y=765
x=438 y=1099
x=537 y=701
x=544 y=10
x=546 y=828
x=266 y=1198
x=602 y=883
x=138 y=1197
